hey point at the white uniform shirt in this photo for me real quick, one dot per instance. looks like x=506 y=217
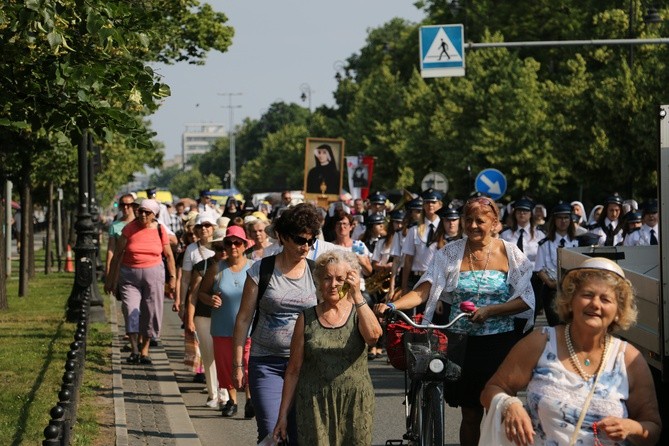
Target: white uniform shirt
x=642 y=236
x=547 y=254
x=530 y=244
x=381 y=252
x=617 y=239
x=415 y=244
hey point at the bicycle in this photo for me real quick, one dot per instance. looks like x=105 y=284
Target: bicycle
x=428 y=367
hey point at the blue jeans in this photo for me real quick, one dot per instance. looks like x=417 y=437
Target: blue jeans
x=266 y=383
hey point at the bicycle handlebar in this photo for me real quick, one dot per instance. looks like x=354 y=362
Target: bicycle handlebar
x=392 y=313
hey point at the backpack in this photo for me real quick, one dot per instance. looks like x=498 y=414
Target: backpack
x=265 y=274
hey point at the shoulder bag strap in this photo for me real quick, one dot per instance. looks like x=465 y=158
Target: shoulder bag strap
x=264 y=276
x=586 y=405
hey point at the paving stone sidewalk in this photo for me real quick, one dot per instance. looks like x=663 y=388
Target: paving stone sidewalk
x=149 y=408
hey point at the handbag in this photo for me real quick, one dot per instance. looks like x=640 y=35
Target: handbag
x=192 y=355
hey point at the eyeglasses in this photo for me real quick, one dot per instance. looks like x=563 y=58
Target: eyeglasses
x=302 y=241
x=144 y=212
x=342 y=224
x=230 y=242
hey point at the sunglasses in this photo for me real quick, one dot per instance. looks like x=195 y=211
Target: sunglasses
x=229 y=242
x=126 y=205
x=219 y=248
x=207 y=225
x=144 y=212
x=303 y=241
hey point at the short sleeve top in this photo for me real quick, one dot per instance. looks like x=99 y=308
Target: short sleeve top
x=283 y=301
x=145 y=245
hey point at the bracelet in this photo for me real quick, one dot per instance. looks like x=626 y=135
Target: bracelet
x=391 y=306
x=364 y=302
x=237 y=365
x=507 y=404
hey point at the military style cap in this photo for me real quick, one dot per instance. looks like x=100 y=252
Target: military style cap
x=524 y=204
x=431 y=195
x=205 y=193
x=633 y=217
x=415 y=204
x=151 y=192
x=650 y=207
x=374 y=219
x=397 y=215
x=615 y=199
x=561 y=208
x=377 y=198
x=449 y=213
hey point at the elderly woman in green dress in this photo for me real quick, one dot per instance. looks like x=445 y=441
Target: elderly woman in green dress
x=327 y=377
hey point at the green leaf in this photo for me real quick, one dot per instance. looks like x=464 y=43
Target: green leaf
x=54 y=39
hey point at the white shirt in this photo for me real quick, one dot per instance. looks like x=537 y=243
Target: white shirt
x=642 y=236
x=547 y=254
x=195 y=253
x=381 y=252
x=530 y=244
x=618 y=238
x=415 y=244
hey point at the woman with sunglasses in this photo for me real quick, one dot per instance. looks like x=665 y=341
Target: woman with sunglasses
x=221 y=289
x=494 y=275
x=290 y=290
x=137 y=273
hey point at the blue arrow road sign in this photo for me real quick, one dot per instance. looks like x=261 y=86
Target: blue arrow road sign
x=442 y=51
x=491 y=182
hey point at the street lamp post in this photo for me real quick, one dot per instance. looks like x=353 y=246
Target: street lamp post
x=84 y=287
x=231 y=137
x=306 y=94
x=340 y=69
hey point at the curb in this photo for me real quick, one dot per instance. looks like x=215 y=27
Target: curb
x=181 y=426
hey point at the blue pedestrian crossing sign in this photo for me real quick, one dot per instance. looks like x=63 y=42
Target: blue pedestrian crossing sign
x=491 y=182
x=442 y=51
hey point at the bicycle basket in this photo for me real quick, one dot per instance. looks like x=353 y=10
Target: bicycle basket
x=420 y=350
x=395 y=345
x=457 y=346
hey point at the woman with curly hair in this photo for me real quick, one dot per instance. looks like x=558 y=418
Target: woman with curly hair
x=289 y=291
x=584 y=385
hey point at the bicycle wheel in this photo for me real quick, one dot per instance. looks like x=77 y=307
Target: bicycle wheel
x=432 y=432
x=415 y=421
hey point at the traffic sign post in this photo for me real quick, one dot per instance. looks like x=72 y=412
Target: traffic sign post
x=436 y=181
x=442 y=52
x=491 y=182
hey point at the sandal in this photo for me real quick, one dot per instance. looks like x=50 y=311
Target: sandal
x=145 y=360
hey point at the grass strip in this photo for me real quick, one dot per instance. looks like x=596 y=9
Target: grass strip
x=35 y=339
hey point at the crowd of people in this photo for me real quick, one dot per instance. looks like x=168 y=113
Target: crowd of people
x=286 y=303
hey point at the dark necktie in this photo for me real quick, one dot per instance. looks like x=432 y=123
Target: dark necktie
x=653 y=239
x=430 y=235
x=609 y=236
x=562 y=243
x=520 y=239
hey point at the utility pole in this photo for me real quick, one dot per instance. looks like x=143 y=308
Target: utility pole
x=231 y=137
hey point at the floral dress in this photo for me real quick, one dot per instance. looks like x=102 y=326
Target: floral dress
x=335 y=399
x=556 y=396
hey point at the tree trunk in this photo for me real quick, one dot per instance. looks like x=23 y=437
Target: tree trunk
x=49 y=225
x=31 y=235
x=24 y=256
x=4 y=305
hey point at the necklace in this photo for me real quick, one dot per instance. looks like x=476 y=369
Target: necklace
x=485 y=267
x=574 y=359
x=338 y=324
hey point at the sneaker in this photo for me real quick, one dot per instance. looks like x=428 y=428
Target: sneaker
x=249 y=410
x=145 y=360
x=133 y=358
x=230 y=409
x=212 y=402
x=153 y=342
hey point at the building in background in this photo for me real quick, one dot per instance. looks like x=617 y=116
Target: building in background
x=199 y=138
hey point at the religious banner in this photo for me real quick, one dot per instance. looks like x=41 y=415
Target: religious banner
x=360 y=169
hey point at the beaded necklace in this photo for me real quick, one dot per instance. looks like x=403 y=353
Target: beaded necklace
x=574 y=359
x=485 y=267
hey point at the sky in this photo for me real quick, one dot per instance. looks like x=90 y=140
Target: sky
x=280 y=48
